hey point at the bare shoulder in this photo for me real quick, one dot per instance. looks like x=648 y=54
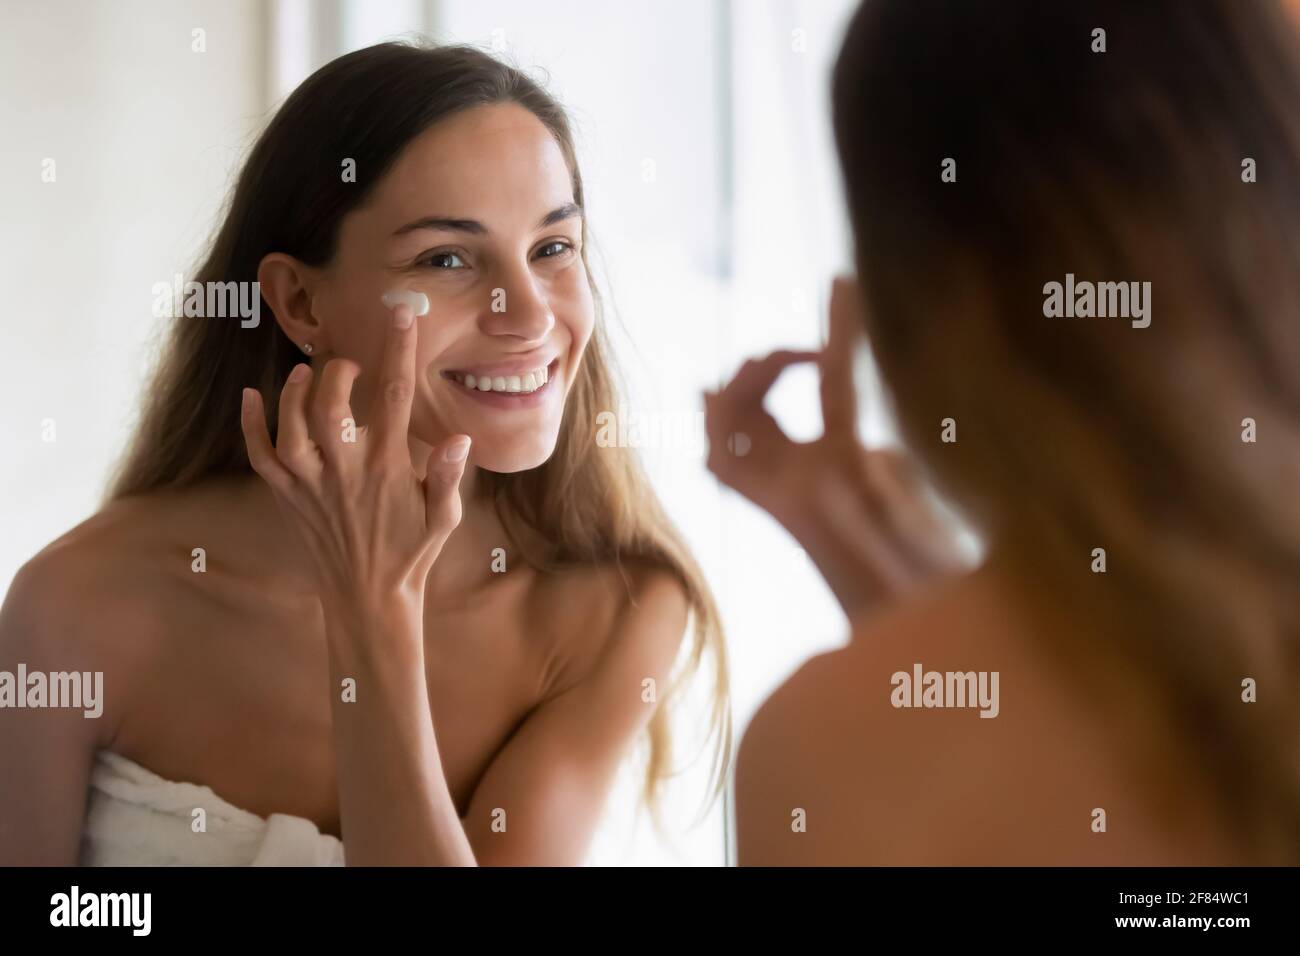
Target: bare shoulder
x=636 y=609
x=933 y=739
x=802 y=752
x=83 y=599
x=71 y=578
x=653 y=615
x=652 y=595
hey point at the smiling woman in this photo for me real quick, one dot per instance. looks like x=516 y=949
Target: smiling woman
x=351 y=660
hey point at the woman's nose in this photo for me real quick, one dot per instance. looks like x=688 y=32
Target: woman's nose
x=518 y=308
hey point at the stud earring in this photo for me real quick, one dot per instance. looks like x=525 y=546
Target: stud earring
x=307 y=347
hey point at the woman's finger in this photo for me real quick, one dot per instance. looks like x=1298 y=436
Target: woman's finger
x=839 y=397
x=391 y=417
x=293 y=442
x=746 y=449
x=738 y=406
x=334 y=427
x=257 y=439
x=447 y=462
x=725 y=416
x=755 y=378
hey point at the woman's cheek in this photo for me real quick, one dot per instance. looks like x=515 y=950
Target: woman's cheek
x=572 y=304
x=351 y=322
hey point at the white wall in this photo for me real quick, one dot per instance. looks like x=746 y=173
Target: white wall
x=144 y=134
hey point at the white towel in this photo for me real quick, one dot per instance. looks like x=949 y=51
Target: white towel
x=136 y=818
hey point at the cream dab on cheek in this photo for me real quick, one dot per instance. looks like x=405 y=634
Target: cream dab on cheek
x=418 y=301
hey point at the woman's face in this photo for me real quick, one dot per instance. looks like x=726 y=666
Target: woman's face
x=478 y=214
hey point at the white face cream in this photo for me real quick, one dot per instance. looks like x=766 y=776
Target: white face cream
x=418 y=301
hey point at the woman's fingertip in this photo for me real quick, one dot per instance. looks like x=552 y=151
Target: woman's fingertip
x=457 y=449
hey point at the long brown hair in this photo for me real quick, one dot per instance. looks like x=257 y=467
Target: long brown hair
x=585 y=505
x=1164 y=149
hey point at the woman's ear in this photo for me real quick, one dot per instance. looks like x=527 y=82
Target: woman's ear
x=287 y=286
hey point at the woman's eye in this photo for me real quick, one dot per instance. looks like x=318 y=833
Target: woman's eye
x=553 y=249
x=443 y=260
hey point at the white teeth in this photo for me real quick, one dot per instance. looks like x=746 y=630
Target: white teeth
x=521 y=384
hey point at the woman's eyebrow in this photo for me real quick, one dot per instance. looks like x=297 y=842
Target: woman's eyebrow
x=444 y=223
x=568 y=211
x=474 y=227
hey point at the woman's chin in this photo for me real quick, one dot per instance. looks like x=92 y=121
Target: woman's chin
x=507 y=461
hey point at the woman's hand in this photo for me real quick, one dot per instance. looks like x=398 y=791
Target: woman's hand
x=861 y=515
x=372 y=526
x=374 y=529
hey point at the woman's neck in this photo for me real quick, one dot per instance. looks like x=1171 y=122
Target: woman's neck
x=465 y=561
x=245 y=506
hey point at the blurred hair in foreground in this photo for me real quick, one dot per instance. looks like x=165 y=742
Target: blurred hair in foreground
x=1082 y=433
